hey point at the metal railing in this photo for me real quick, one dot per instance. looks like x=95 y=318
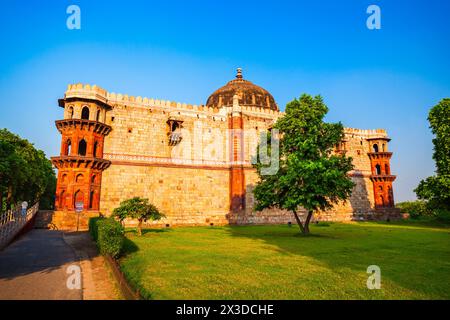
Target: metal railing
x=12 y=221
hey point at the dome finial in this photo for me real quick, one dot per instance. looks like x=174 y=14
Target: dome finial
x=239 y=73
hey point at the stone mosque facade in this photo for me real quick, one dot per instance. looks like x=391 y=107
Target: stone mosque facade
x=192 y=161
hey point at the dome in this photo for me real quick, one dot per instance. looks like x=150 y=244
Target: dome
x=249 y=94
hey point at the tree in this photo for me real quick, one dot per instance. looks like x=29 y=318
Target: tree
x=10 y=173
x=436 y=189
x=310 y=175
x=137 y=208
x=25 y=172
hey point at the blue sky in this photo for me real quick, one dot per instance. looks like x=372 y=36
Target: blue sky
x=184 y=50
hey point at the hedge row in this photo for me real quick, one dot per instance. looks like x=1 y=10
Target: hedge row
x=418 y=209
x=414 y=208
x=108 y=233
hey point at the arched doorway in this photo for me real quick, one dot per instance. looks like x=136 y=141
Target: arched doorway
x=78 y=197
x=91 y=200
x=82 y=145
x=378 y=169
x=85 y=113
x=70 y=112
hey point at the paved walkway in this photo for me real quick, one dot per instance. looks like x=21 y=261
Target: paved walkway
x=35 y=266
x=98 y=281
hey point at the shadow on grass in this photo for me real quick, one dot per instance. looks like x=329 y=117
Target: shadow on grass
x=422 y=222
x=145 y=231
x=356 y=246
x=129 y=246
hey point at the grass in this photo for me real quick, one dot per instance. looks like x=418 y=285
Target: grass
x=275 y=262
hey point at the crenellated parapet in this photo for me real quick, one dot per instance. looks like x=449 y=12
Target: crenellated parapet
x=86 y=91
x=366 y=133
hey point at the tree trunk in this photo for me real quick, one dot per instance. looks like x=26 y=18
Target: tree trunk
x=304 y=227
x=139 y=228
x=308 y=220
x=302 y=230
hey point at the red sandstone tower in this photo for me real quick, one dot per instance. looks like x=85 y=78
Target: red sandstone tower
x=237 y=176
x=381 y=173
x=81 y=162
x=236 y=95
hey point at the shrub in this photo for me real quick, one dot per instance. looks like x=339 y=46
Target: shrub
x=93 y=227
x=137 y=208
x=109 y=235
x=442 y=215
x=415 y=209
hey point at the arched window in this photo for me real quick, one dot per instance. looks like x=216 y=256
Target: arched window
x=174 y=131
x=79 y=178
x=68 y=148
x=95 y=149
x=174 y=126
x=64 y=178
x=70 y=112
x=91 y=199
x=97 y=117
x=93 y=178
x=85 y=113
x=386 y=169
x=377 y=169
x=381 y=200
x=375 y=148
x=82 y=147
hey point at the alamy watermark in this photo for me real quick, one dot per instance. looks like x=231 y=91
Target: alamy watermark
x=73 y=21
x=373 y=22
x=374 y=280
x=203 y=145
x=74 y=279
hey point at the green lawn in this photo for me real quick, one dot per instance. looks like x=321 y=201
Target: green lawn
x=275 y=262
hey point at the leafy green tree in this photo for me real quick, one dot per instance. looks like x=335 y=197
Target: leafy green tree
x=25 y=172
x=310 y=175
x=436 y=189
x=11 y=174
x=137 y=208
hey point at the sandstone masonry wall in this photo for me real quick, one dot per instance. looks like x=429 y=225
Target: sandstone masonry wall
x=184 y=195
x=189 y=181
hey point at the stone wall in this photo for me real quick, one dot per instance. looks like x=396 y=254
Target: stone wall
x=189 y=181
x=185 y=195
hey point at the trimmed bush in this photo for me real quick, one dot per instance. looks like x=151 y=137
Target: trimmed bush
x=93 y=228
x=109 y=235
